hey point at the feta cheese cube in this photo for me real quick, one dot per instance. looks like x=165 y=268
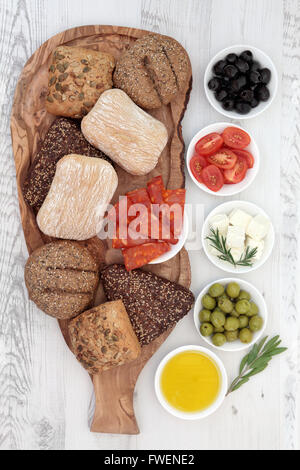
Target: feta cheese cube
x=258 y=227
x=235 y=237
x=251 y=244
x=237 y=253
x=240 y=218
x=220 y=222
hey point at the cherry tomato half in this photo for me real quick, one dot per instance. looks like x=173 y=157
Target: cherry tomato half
x=236 y=138
x=247 y=155
x=213 y=177
x=209 y=144
x=237 y=173
x=197 y=164
x=223 y=158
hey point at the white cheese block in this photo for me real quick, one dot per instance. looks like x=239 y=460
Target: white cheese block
x=220 y=222
x=235 y=237
x=237 y=253
x=258 y=227
x=240 y=218
x=251 y=244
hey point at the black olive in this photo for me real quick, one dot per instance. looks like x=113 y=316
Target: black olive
x=230 y=71
x=219 y=67
x=242 y=108
x=221 y=95
x=254 y=103
x=242 y=66
x=247 y=56
x=255 y=77
x=247 y=95
x=238 y=83
x=262 y=93
x=265 y=75
x=214 y=84
x=231 y=58
x=228 y=104
x=255 y=66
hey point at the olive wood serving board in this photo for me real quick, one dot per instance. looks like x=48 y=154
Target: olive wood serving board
x=29 y=123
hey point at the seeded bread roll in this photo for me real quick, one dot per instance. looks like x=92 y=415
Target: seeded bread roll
x=61 y=278
x=103 y=338
x=153 y=71
x=64 y=137
x=153 y=304
x=77 y=77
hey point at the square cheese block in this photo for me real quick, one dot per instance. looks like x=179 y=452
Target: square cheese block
x=258 y=227
x=235 y=237
x=259 y=244
x=220 y=222
x=79 y=195
x=237 y=253
x=103 y=337
x=123 y=131
x=240 y=218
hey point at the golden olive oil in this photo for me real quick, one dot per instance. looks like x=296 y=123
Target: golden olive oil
x=190 y=381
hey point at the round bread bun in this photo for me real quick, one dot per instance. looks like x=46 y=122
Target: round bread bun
x=62 y=278
x=153 y=71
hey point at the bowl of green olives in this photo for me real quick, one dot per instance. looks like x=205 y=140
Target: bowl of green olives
x=230 y=314
x=241 y=82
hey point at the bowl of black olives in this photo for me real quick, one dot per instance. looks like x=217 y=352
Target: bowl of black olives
x=241 y=82
x=230 y=314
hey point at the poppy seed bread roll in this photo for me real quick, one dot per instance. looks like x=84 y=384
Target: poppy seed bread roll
x=126 y=133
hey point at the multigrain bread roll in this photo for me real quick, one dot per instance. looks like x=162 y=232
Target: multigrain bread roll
x=153 y=304
x=153 y=71
x=127 y=134
x=79 y=195
x=77 y=77
x=61 y=278
x=103 y=338
x=64 y=137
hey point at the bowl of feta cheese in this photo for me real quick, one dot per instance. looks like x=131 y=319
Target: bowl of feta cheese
x=238 y=237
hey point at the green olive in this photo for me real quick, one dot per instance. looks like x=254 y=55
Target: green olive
x=219 y=330
x=223 y=296
x=219 y=339
x=233 y=290
x=231 y=335
x=253 y=310
x=242 y=306
x=225 y=305
x=256 y=323
x=208 y=302
x=218 y=319
x=216 y=290
x=231 y=324
x=244 y=295
x=246 y=335
x=206 y=329
x=244 y=321
x=204 y=315
x=234 y=313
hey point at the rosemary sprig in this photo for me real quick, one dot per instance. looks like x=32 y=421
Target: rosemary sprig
x=219 y=243
x=256 y=361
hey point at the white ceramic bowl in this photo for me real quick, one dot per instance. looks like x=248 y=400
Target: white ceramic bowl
x=255 y=296
x=228 y=189
x=200 y=414
x=265 y=61
x=175 y=248
x=226 y=208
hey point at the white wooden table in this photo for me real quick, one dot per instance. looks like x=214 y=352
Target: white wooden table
x=46 y=397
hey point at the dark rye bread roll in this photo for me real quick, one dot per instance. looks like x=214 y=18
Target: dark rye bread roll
x=153 y=304
x=153 y=71
x=61 y=278
x=64 y=137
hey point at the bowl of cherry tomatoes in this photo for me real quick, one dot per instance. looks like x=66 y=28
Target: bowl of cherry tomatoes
x=223 y=159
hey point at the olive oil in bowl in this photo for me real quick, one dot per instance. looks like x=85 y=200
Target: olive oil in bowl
x=191 y=382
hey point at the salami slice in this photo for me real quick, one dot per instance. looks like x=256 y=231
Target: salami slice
x=155 y=189
x=141 y=255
